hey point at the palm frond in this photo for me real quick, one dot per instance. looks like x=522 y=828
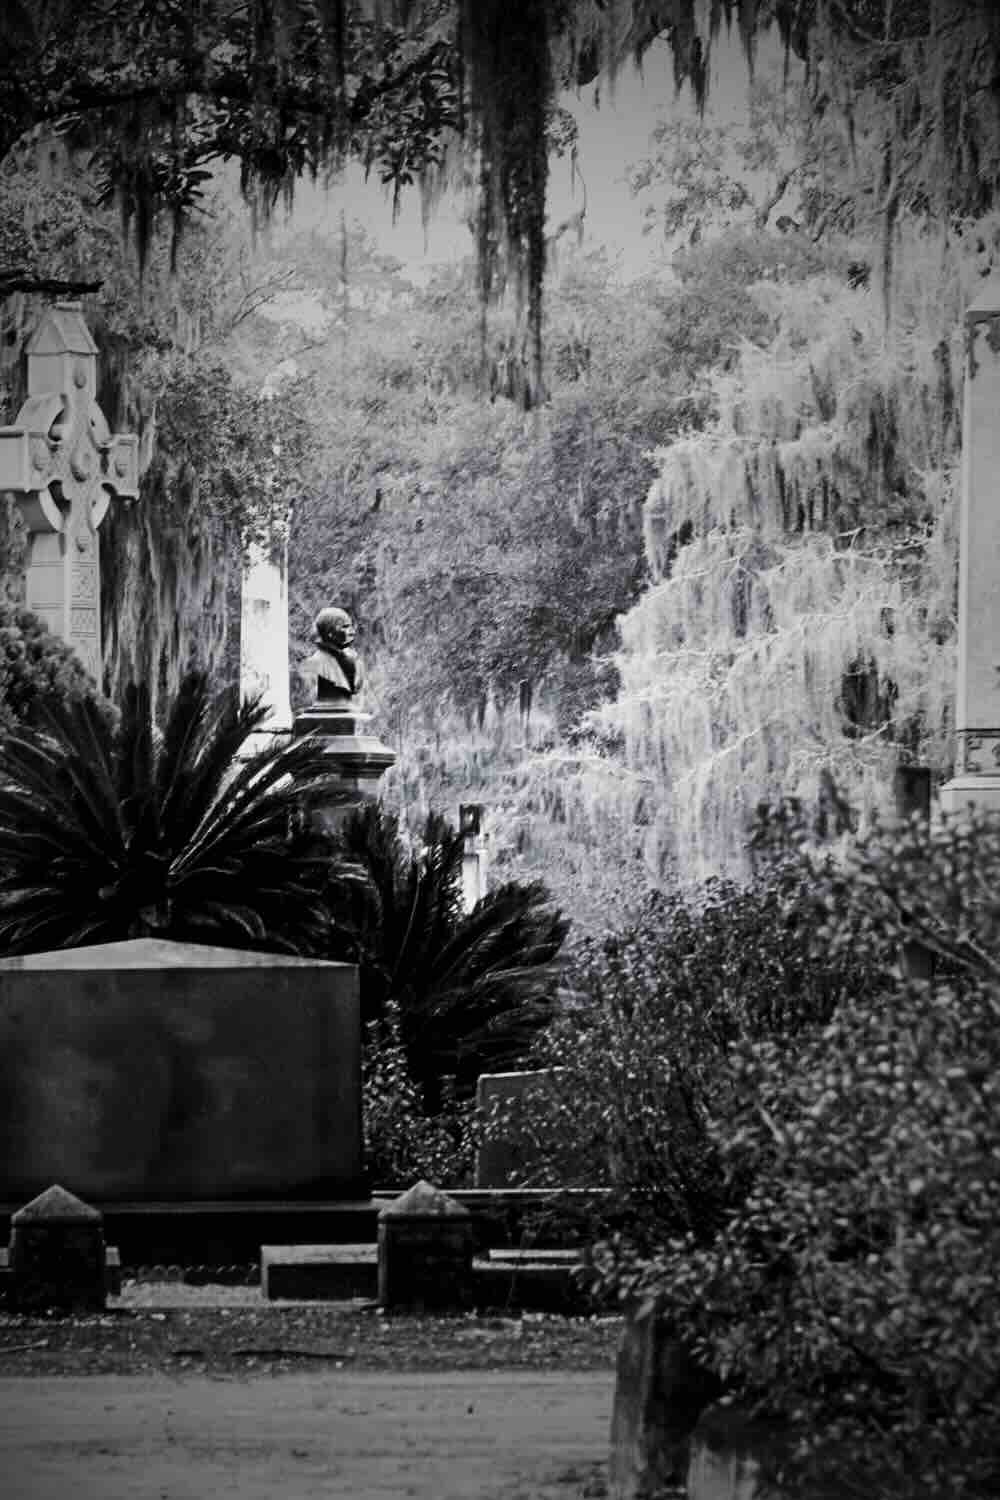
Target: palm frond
x=206 y=741
x=86 y=754
x=106 y=833
x=469 y=990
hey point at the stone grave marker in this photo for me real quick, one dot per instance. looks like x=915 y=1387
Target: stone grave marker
x=63 y=465
x=425 y=1244
x=498 y=1160
x=57 y=1255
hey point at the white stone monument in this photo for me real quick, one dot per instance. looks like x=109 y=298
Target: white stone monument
x=264 y=667
x=63 y=465
x=470 y=826
x=977 y=705
x=264 y=635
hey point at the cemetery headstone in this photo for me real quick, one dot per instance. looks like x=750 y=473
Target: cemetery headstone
x=63 y=466
x=499 y=1159
x=977 y=705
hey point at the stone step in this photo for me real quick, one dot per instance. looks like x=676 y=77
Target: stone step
x=326 y=1273
x=524 y=1280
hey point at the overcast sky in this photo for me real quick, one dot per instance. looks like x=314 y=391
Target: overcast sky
x=614 y=134
x=611 y=138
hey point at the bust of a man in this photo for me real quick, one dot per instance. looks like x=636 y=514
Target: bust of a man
x=335 y=663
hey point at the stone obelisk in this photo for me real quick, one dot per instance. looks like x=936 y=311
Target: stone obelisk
x=977 y=703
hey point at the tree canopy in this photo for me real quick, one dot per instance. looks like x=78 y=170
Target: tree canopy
x=164 y=89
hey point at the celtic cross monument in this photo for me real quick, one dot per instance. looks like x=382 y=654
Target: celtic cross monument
x=63 y=466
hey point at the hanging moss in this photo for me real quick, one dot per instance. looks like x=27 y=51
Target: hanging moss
x=507 y=65
x=806 y=626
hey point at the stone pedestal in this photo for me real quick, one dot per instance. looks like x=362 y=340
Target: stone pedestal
x=57 y=1253
x=977 y=704
x=359 y=757
x=425 y=1244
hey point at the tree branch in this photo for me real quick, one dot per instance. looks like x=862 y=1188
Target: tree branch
x=236 y=86
x=774 y=198
x=51 y=286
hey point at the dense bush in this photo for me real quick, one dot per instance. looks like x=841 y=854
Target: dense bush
x=642 y=1039
x=851 y=1282
x=402 y=1141
x=36 y=667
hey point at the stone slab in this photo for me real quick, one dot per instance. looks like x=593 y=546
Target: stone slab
x=153 y=1071
x=514 y=1281
x=512 y=1256
x=982 y=792
x=329 y=1273
x=157 y=953
x=528 y=1286
x=498 y=1161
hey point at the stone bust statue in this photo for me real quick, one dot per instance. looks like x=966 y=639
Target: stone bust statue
x=335 y=663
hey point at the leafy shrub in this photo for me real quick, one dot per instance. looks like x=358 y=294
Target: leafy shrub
x=851 y=1284
x=36 y=667
x=402 y=1141
x=468 y=990
x=642 y=1039
x=932 y=884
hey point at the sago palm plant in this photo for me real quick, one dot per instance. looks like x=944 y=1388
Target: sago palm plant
x=470 y=990
x=109 y=832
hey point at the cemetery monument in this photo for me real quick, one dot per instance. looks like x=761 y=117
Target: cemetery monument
x=335 y=715
x=147 y=1070
x=977 y=705
x=63 y=465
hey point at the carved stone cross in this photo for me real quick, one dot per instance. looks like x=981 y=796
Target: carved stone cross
x=62 y=464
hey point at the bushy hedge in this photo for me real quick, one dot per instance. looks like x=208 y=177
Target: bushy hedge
x=639 y=1048
x=403 y=1142
x=35 y=667
x=850 y=1283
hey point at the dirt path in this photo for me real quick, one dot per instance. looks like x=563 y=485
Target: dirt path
x=489 y=1435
